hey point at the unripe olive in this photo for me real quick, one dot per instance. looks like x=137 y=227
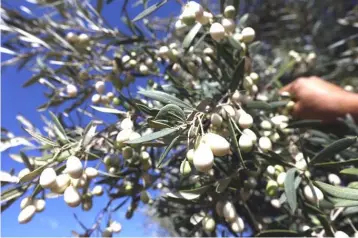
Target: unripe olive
x=23 y=172
x=116 y=101
x=254 y=76
x=87 y=204
x=48 y=178
x=190 y=155
x=144 y=197
x=266 y=125
x=308 y=192
x=146 y=164
x=245 y=120
x=216 y=120
x=71 y=90
x=26 y=214
x=185 y=168
x=218 y=144
x=289 y=106
x=164 y=51
x=62 y=182
x=203 y=159
x=176 y=67
x=97 y=190
x=245 y=143
x=39 y=205
x=107 y=232
x=74 y=167
x=83 y=39
x=143 y=69
x=219 y=208
x=83 y=75
x=208 y=51
x=91 y=172
x=229 y=211
x=271 y=188
x=238 y=225
x=248 y=34
x=188 y=17
x=217 y=31
x=80 y=182
x=72 y=37
x=265 y=144
x=229 y=11
x=127 y=152
x=72 y=197
x=208 y=224
x=349 y=88
x=270 y=170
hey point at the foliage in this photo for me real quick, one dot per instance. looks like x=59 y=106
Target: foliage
x=208 y=128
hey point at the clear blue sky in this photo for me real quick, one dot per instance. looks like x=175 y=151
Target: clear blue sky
x=57 y=219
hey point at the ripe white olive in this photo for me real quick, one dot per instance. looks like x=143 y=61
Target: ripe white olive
x=48 y=178
x=265 y=144
x=62 y=182
x=216 y=120
x=143 y=69
x=97 y=190
x=229 y=211
x=334 y=179
x=107 y=232
x=194 y=7
x=39 y=205
x=72 y=197
x=80 y=182
x=203 y=159
x=217 y=31
x=74 y=167
x=245 y=143
x=228 y=24
x=127 y=123
x=251 y=134
x=123 y=136
x=26 y=214
x=115 y=227
x=134 y=135
x=254 y=76
x=188 y=17
x=206 y=18
x=83 y=39
x=72 y=37
x=71 y=90
x=25 y=202
x=310 y=196
x=245 y=120
x=275 y=203
x=91 y=172
x=23 y=172
x=238 y=225
x=248 y=34
x=281 y=179
x=340 y=234
x=218 y=144
x=266 y=125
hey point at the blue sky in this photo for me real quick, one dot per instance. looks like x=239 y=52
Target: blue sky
x=57 y=219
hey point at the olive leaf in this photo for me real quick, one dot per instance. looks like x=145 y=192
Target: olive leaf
x=149 y=10
x=59 y=130
x=334 y=148
x=278 y=233
x=189 y=38
x=165 y=98
x=290 y=189
x=40 y=138
x=222 y=184
x=33 y=174
x=166 y=151
x=109 y=110
x=350 y=171
x=238 y=75
x=153 y=136
x=171 y=110
x=338 y=192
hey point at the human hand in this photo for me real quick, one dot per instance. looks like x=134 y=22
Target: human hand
x=319 y=99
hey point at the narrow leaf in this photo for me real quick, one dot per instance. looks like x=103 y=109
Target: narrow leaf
x=109 y=110
x=149 y=10
x=41 y=138
x=337 y=164
x=165 y=98
x=189 y=38
x=334 y=148
x=350 y=171
x=60 y=131
x=290 y=189
x=238 y=75
x=153 y=136
x=222 y=184
x=33 y=174
x=339 y=192
x=234 y=141
x=171 y=109
x=166 y=151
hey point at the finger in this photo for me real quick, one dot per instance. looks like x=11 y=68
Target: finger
x=287 y=88
x=297 y=110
